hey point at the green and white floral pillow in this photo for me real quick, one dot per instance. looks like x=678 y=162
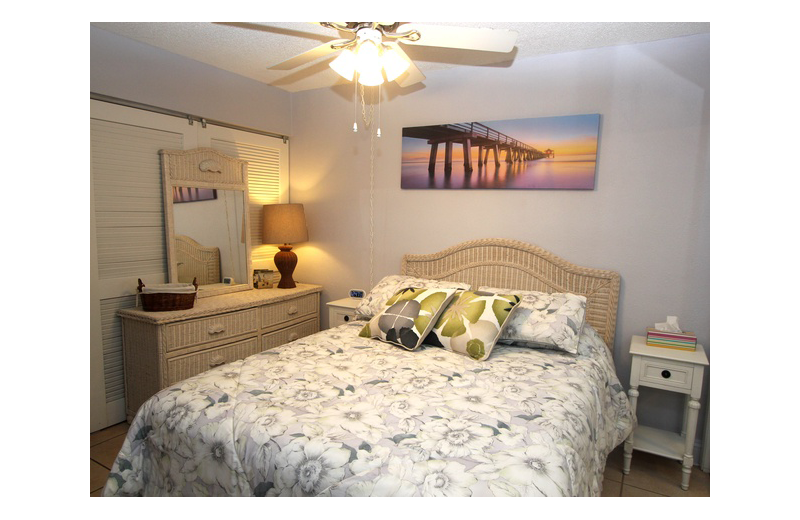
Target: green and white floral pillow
x=374 y=302
x=544 y=320
x=472 y=323
x=408 y=316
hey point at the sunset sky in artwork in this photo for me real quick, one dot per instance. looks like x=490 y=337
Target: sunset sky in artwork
x=567 y=135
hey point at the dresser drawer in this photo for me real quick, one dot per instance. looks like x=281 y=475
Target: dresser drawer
x=285 y=311
x=278 y=338
x=181 y=367
x=204 y=330
x=665 y=374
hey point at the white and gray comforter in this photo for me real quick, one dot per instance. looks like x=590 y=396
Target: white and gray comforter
x=333 y=414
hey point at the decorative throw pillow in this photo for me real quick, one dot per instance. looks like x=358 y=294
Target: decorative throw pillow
x=408 y=316
x=472 y=323
x=374 y=302
x=553 y=321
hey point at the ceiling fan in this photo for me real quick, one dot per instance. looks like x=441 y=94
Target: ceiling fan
x=374 y=48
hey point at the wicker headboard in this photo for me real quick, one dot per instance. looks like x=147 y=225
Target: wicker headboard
x=196 y=262
x=510 y=264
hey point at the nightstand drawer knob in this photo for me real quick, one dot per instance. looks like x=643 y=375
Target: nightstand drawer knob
x=347 y=318
x=292 y=310
x=666 y=374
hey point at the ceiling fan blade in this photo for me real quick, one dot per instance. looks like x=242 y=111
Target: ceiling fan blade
x=412 y=75
x=470 y=38
x=343 y=24
x=308 y=56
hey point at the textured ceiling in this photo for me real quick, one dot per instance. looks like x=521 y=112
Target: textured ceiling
x=249 y=48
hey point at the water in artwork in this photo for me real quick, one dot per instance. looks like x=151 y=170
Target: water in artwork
x=571 y=172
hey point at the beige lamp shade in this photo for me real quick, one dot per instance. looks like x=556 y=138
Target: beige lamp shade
x=284 y=224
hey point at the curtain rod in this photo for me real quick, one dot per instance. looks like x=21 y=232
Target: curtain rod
x=191 y=118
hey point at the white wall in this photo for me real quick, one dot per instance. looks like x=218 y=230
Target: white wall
x=648 y=217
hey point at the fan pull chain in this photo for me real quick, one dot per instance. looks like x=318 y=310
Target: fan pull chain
x=368 y=120
x=371 y=208
x=379 y=111
x=355 y=102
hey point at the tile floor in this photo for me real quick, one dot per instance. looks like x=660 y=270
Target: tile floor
x=650 y=476
x=103 y=449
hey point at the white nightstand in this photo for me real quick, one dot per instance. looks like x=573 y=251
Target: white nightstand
x=675 y=371
x=342 y=311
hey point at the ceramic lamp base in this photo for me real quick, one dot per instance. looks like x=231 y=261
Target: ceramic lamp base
x=286 y=261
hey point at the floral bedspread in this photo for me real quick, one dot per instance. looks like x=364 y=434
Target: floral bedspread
x=333 y=414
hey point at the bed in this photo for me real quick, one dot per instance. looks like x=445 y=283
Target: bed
x=340 y=413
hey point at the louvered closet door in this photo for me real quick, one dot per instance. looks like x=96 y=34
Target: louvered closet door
x=127 y=221
x=127 y=234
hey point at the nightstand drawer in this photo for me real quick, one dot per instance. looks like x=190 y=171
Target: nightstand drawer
x=665 y=374
x=342 y=311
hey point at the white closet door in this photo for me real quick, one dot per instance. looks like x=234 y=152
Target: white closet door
x=127 y=221
x=127 y=234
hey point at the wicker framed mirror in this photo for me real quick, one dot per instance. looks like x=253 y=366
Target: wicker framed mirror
x=207 y=220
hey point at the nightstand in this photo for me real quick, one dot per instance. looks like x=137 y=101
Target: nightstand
x=342 y=311
x=674 y=371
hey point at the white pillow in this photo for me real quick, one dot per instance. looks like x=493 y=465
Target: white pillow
x=544 y=320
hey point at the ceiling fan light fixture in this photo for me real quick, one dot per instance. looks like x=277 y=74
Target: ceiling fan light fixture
x=370 y=59
x=369 y=64
x=370 y=78
x=393 y=64
x=345 y=64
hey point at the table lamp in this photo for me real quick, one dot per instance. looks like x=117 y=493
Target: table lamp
x=284 y=224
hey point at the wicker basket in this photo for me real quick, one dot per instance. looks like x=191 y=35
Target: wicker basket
x=160 y=302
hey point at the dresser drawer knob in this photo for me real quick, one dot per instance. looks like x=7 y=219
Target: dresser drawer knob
x=292 y=310
x=216 y=328
x=666 y=374
x=216 y=360
x=293 y=336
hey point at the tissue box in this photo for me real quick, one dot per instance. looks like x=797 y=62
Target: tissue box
x=676 y=340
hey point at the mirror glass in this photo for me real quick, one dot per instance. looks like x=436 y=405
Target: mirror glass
x=209 y=236
x=206 y=219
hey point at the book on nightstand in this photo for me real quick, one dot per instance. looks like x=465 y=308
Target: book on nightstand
x=675 y=340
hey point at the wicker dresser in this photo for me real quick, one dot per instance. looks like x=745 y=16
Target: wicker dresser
x=162 y=348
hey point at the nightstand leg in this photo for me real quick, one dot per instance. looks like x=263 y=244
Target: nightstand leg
x=691 y=431
x=627 y=455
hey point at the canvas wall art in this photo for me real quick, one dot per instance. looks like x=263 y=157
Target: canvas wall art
x=537 y=153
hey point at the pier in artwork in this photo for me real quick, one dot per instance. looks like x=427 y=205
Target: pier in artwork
x=470 y=135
